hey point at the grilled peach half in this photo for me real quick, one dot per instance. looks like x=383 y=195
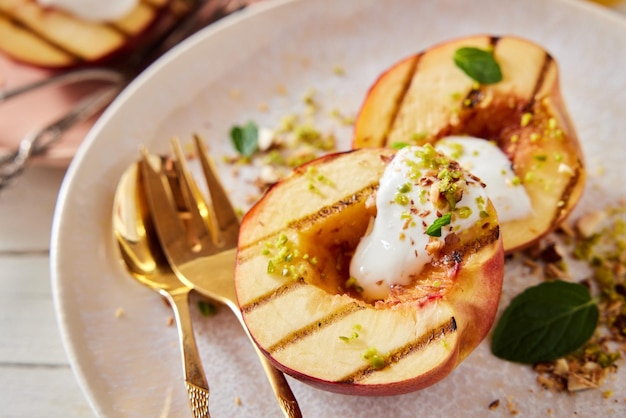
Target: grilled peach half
x=51 y=38
x=293 y=286
x=426 y=97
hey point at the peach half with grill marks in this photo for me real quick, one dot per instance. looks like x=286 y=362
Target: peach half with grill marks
x=426 y=97
x=50 y=37
x=305 y=313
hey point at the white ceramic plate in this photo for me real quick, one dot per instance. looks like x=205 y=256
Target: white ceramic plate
x=130 y=366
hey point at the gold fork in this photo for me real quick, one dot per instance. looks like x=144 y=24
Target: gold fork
x=200 y=239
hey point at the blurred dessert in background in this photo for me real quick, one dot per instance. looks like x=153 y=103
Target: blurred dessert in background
x=62 y=34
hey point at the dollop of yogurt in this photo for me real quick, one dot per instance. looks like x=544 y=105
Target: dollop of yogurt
x=93 y=10
x=423 y=196
x=485 y=160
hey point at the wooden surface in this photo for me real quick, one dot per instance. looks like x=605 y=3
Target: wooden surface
x=36 y=379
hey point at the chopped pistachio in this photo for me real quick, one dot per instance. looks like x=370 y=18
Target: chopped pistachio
x=376 y=360
x=526 y=118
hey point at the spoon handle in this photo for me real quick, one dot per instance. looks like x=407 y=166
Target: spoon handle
x=195 y=380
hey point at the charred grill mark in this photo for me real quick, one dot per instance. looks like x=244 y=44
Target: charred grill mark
x=401 y=96
x=547 y=62
x=457 y=255
x=419 y=344
x=60 y=48
x=473 y=98
x=314 y=327
x=288 y=287
x=332 y=209
x=475 y=95
x=308 y=220
x=567 y=194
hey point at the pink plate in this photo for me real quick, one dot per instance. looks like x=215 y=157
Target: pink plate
x=32 y=111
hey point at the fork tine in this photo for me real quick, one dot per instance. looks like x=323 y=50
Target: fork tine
x=194 y=200
x=167 y=218
x=227 y=219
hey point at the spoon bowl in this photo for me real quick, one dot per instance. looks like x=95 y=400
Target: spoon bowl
x=145 y=262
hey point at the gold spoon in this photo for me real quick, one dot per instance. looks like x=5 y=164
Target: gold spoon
x=146 y=263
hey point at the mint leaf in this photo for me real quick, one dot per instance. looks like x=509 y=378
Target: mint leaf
x=245 y=138
x=478 y=64
x=435 y=229
x=545 y=322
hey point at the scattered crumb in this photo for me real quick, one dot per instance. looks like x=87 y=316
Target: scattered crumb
x=339 y=70
x=170 y=321
x=235 y=94
x=494 y=405
x=119 y=312
x=511 y=406
x=207 y=308
x=237 y=401
x=263 y=107
x=189 y=150
x=597 y=240
x=281 y=89
x=294 y=140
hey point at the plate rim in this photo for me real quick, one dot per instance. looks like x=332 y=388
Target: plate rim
x=65 y=193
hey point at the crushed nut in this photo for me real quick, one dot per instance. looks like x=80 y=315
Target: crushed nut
x=591 y=223
x=494 y=405
x=598 y=239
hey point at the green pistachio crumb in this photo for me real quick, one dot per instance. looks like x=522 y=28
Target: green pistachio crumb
x=376 y=360
x=552 y=123
x=401 y=199
x=207 y=308
x=464 y=212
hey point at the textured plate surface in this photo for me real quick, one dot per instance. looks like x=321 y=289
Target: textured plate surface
x=270 y=55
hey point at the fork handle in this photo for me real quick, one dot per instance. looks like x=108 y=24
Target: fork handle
x=280 y=386
x=195 y=380
x=286 y=399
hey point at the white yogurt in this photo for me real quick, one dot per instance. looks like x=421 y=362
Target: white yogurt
x=486 y=161
x=93 y=10
x=397 y=247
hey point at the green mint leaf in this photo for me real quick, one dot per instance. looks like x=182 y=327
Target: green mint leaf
x=545 y=322
x=478 y=64
x=435 y=229
x=245 y=138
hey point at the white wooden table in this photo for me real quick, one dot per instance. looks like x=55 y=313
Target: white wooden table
x=35 y=377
